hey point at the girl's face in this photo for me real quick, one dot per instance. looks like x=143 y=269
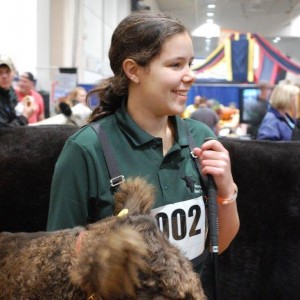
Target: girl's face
x=164 y=84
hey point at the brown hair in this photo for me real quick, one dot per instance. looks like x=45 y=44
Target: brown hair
x=140 y=36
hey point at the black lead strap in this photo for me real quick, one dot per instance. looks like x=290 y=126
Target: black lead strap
x=192 y=145
x=213 y=229
x=211 y=192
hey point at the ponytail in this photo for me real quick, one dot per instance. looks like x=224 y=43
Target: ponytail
x=110 y=93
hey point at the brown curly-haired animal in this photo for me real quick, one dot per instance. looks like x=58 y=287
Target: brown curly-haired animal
x=124 y=257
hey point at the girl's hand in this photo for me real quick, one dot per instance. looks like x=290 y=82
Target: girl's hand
x=214 y=160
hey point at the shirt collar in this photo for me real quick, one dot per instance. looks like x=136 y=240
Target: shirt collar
x=279 y=115
x=138 y=136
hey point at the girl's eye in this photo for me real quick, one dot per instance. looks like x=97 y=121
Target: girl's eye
x=180 y=65
x=176 y=65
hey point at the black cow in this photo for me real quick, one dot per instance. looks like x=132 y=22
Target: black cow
x=27 y=159
x=263 y=262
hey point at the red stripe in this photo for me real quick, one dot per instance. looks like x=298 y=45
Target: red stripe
x=274 y=73
x=260 y=65
x=221 y=55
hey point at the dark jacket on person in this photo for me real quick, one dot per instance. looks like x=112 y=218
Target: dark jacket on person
x=276 y=127
x=296 y=131
x=8 y=117
x=207 y=116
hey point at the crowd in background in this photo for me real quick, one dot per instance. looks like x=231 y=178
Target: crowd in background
x=21 y=104
x=275 y=114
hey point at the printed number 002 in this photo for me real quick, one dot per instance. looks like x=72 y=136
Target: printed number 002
x=179 y=222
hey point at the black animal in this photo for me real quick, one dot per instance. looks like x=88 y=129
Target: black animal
x=263 y=261
x=27 y=160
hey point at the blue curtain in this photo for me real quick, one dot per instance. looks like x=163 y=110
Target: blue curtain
x=239 y=60
x=224 y=94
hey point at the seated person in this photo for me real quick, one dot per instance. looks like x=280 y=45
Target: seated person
x=279 y=121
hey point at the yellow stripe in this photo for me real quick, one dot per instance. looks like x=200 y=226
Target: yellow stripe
x=214 y=53
x=250 y=73
x=228 y=58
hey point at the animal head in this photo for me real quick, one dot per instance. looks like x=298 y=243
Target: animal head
x=135 y=260
x=136 y=195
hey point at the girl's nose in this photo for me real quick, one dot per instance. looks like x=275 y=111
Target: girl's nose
x=190 y=76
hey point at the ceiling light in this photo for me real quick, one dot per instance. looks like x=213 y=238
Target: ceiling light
x=207 y=30
x=276 y=40
x=211 y=6
x=209 y=21
x=210 y=14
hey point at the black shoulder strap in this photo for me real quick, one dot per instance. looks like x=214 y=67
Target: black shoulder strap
x=115 y=175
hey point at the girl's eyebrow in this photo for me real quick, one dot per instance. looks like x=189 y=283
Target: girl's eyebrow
x=181 y=58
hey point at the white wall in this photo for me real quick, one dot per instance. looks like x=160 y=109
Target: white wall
x=18 y=32
x=100 y=20
x=42 y=35
x=43 y=71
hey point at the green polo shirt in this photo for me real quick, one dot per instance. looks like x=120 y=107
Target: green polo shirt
x=81 y=187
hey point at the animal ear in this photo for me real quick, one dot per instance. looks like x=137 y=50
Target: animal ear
x=135 y=194
x=110 y=269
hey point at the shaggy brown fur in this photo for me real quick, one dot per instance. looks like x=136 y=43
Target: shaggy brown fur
x=116 y=258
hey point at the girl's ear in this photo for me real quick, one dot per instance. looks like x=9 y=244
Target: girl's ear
x=131 y=69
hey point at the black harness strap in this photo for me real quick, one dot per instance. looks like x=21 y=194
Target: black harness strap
x=113 y=169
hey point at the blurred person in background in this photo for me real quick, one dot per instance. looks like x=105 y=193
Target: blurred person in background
x=192 y=107
x=259 y=108
x=26 y=90
x=280 y=119
x=71 y=110
x=206 y=115
x=80 y=110
x=8 y=98
x=76 y=96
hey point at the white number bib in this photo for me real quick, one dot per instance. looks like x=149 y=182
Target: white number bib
x=184 y=224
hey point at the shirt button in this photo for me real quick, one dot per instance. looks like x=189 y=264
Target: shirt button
x=165 y=187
